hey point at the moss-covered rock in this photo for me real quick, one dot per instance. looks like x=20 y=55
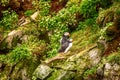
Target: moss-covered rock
x=22 y=70
x=42 y=72
x=62 y=75
x=95 y=56
x=106 y=16
x=12 y=40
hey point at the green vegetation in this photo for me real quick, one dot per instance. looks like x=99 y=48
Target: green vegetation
x=43 y=6
x=29 y=12
x=57 y=23
x=9 y=20
x=114 y=58
x=86 y=20
x=4 y=2
x=88 y=8
x=90 y=72
x=65 y=19
x=18 y=54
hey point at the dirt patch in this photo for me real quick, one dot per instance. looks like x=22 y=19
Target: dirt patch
x=57 y=5
x=19 y=6
x=113 y=45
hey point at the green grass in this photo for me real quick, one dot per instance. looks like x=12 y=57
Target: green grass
x=83 y=39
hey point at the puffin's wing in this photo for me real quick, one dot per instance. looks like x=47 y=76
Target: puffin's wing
x=63 y=47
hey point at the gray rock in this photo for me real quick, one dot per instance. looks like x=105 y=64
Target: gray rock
x=62 y=75
x=42 y=71
x=116 y=67
x=100 y=71
x=108 y=66
x=24 y=38
x=11 y=40
x=35 y=15
x=12 y=36
x=95 y=56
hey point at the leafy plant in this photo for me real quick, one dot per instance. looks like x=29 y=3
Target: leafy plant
x=104 y=3
x=54 y=45
x=43 y=6
x=4 y=2
x=60 y=21
x=104 y=33
x=88 y=8
x=29 y=12
x=90 y=22
x=118 y=11
x=9 y=20
x=117 y=0
x=19 y=53
x=91 y=71
x=114 y=58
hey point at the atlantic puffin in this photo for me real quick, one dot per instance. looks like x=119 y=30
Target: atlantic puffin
x=65 y=43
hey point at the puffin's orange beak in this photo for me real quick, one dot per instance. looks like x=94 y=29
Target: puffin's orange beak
x=69 y=34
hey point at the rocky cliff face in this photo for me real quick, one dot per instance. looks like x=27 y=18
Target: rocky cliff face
x=87 y=65
x=95 y=60
x=99 y=62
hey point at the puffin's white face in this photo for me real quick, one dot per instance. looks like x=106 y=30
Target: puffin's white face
x=66 y=34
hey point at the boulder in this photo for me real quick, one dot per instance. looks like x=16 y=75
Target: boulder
x=95 y=56
x=62 y=75
x=42 y=71
x=13 y=39
x=23 y=21
x=116 y=67
x=35 y=15
x=111 y=71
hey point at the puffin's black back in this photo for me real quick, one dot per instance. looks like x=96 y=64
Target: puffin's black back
x=64 y=44
x=63 y=47
x=64 y=39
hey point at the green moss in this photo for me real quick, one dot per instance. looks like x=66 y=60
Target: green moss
x=31 y=65
x=114 y=58
x=118 y=11
x=88 y=8
x=91 y=71
x=9 y=19
x=62 y=75
x=4 y=2
x=29 y=12
x=19 y=53
x=3 y=45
